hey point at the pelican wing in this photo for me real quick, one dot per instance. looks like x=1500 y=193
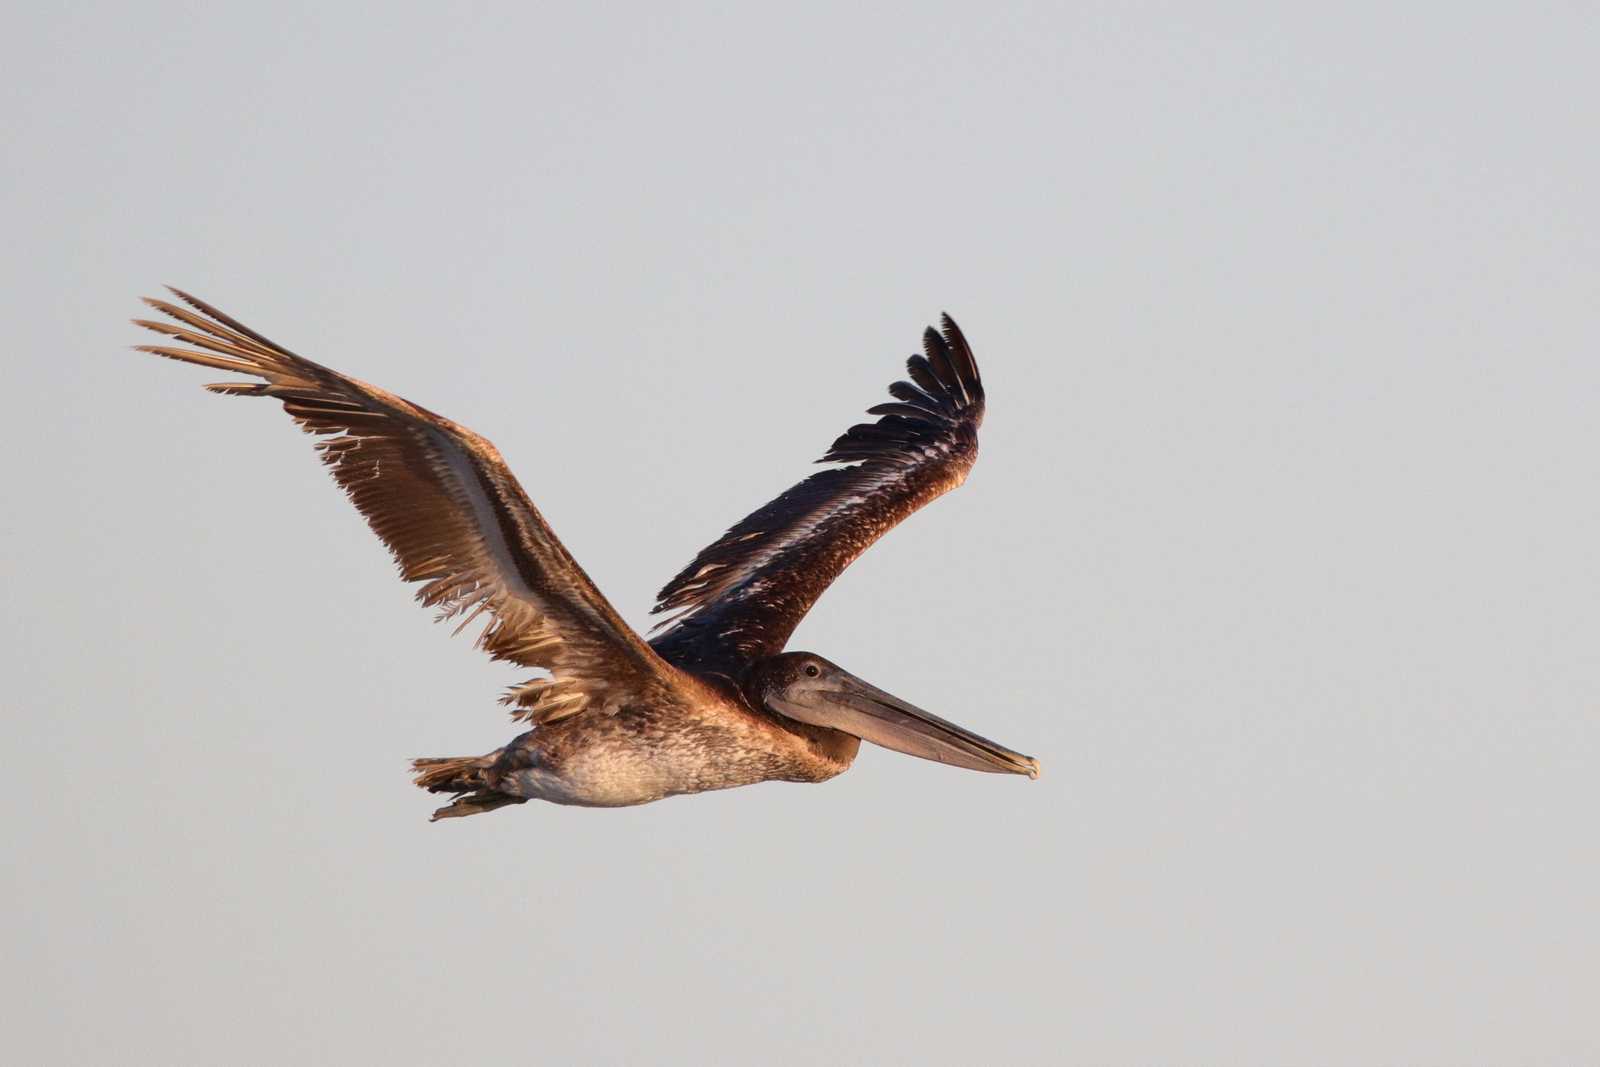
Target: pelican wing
x=453 y=516
x=742 y=597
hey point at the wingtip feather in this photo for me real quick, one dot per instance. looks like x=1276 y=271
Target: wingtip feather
x=926 y=437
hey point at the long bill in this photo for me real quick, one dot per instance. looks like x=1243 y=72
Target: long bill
x=869 y=713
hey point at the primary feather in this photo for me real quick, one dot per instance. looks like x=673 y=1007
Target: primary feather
x=744 y=594
x=453 y=516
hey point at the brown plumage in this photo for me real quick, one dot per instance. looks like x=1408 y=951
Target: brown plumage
x=742 y=597
x=710 y=703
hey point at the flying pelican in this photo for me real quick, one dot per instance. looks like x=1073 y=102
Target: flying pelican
x=712 y=702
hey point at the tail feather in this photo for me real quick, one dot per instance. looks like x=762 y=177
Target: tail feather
x=456 y=774
x=465 y=776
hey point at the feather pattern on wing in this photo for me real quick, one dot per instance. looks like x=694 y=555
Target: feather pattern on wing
x=441 y=498
x=742 y=596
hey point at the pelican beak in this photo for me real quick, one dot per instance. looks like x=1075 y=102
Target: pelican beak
x=865 y=711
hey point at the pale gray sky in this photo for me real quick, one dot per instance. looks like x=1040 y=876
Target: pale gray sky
x=1281 y=555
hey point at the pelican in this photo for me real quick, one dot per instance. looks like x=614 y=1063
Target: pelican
x=713 y=701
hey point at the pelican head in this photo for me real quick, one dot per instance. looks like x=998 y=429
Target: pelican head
x=807 y=688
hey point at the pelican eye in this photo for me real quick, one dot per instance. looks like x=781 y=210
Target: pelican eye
x=813 y=670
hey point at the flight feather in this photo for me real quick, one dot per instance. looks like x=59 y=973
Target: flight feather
x=451 y=513
x=743 y=595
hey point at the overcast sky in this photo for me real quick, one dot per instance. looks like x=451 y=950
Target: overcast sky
x=1281 y=555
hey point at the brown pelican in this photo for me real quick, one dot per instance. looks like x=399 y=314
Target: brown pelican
x=712 y=702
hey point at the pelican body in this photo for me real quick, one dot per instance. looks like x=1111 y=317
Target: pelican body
x=711 y=702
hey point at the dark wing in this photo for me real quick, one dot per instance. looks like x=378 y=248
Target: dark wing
x=742 y=597
x=443 y=501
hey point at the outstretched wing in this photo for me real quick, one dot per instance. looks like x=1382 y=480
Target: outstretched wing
x=743 y=596
x=443 y=501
